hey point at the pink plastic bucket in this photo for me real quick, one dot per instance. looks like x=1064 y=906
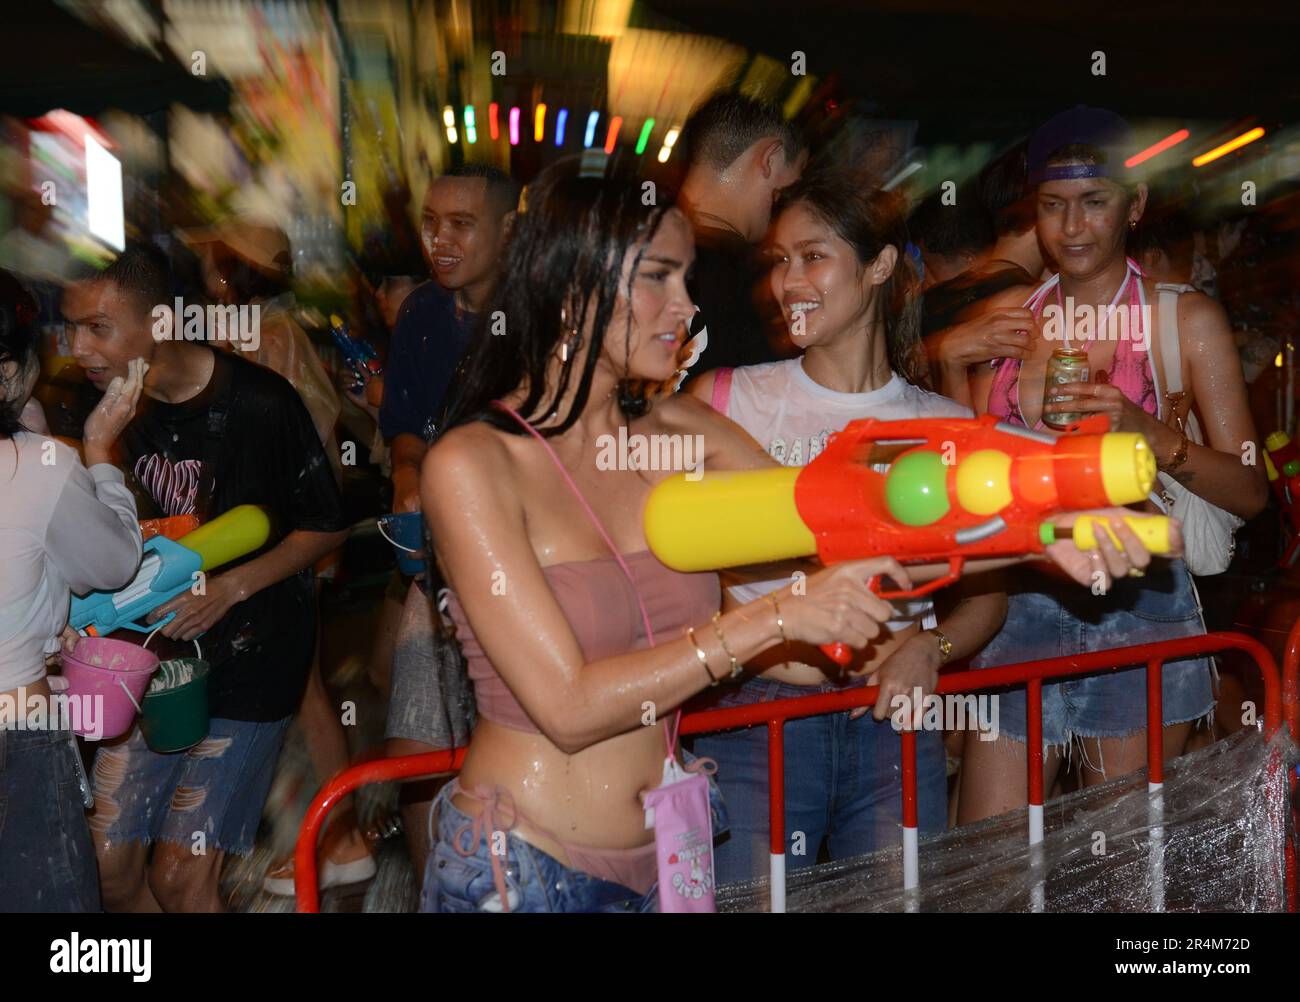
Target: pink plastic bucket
x=118 y=673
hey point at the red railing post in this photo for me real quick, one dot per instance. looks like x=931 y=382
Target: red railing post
x=1034 y=756
x=911 y=823
x=776 y=811
x=1155 y=726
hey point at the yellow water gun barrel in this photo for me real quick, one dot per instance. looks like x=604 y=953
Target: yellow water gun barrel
x=1152 y=530
x=727 y=520
x=228 y=537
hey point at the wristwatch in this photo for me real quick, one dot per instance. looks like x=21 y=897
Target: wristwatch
x=945 y=646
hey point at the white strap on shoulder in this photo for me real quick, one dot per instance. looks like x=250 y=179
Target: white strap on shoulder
x=1170 y=351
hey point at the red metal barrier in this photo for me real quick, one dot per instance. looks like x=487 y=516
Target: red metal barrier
x=775 y=713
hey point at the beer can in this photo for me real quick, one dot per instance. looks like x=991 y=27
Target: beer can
x=1067 y=365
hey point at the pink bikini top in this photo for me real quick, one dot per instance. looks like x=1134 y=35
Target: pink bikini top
x=1130 y=370
x=613 y=605
x=602 y=611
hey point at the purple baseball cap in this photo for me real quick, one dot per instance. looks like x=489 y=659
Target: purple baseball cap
x=1109 y=134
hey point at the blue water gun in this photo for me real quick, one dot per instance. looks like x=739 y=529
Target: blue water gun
x=170 y=568
x=358 y=353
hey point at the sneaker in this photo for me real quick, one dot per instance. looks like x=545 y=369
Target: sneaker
x=279 y=880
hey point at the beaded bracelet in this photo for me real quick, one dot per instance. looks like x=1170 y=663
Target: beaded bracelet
x=699 y=653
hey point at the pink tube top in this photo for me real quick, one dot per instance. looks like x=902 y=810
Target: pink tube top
x=601 y=608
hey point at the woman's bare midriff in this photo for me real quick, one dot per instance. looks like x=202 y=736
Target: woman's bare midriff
x=591 y=798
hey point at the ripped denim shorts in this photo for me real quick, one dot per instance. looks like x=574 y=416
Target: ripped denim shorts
x=1065 y=619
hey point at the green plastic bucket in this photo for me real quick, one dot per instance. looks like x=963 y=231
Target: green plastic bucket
x=175 y=707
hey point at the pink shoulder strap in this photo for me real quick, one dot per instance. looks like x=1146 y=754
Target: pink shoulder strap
x=721 y=389
x=671 y=740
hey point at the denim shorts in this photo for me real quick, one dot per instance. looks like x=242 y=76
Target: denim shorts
x=843 y=784
x=47 y=861
x=535 y=881
x=1065 y=619
x=216 y=788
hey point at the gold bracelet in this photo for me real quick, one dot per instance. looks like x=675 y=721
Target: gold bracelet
x=735 y=665
x=1179 y=457
x=699 y=653
x=780 y=623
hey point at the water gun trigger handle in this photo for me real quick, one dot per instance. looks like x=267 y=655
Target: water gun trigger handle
x=842 y=654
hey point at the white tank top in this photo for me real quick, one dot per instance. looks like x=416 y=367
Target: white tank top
x=792 y=417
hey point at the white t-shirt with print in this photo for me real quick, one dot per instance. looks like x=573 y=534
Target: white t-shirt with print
x=793 y=416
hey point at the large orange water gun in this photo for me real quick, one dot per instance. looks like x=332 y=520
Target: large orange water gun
x=956 y=489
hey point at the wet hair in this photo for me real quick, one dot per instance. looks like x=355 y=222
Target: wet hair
x=727 y=124
x=1004 y=190
x=502 y=189
x=566 y=253
x=143 y=270
x=964 y=227
x=869 y=220
x=18 y=313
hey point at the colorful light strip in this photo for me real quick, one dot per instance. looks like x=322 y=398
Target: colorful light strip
x=539 y=123
x=471 y=133
x=670 y=140
x=590 y=138
x=611 y=138
x=494 y=128
x=560 y=119
x=1155 y=151
x=514 y=126
x=1228 y=147
x=645 y=135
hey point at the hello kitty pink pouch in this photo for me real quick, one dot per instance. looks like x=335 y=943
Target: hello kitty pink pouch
x=678 y=810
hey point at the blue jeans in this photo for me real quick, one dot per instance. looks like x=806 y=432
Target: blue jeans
x=218 y=787
x=1063 y=619
x=535 y=881
x=843 y=784
x=47 y=861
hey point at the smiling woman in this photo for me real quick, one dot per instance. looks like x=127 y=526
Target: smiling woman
x=1087 y=203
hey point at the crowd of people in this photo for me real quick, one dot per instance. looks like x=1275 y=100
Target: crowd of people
x=777 y=298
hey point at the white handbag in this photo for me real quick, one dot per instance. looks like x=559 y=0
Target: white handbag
x=1209 y=532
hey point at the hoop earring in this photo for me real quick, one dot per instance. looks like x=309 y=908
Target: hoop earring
x=574 y=341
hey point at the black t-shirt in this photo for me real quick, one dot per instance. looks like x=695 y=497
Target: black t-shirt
x=727 y=331
x=944 y=304
x=246 y=438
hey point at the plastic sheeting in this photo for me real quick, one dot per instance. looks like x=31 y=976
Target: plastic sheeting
x=1211 y=840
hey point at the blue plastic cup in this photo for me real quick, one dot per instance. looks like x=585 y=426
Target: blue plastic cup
x=406 y=532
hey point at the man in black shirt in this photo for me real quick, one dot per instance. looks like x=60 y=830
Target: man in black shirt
x=212 y=432
x=741 y=154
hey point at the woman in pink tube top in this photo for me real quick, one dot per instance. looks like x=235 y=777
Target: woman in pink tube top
x=571 y=699
x=536 y=514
